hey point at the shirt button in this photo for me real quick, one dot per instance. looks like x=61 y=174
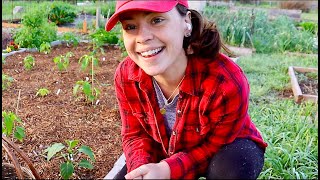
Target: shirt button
x=179 y=111
x=171 y=152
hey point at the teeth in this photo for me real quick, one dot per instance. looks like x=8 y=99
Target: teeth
x=151 y=52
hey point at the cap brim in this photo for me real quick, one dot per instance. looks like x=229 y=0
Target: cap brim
x=155 y=6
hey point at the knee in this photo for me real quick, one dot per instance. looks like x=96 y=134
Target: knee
x=242 y=159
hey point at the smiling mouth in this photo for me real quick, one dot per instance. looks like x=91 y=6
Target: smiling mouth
x=151 y=53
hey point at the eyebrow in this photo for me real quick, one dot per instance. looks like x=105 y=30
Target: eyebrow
x=128 y=17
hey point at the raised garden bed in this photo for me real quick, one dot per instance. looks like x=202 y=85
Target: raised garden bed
x=304 y=83
x=59 y=116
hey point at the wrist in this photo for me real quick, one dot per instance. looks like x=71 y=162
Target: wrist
x=166 y=169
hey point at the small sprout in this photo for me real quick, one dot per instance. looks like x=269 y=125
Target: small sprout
x=42 y=92
x=28 y=62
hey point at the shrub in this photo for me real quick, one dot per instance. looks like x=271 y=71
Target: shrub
x=101 y=36
x=61 y=13
x=35 y=30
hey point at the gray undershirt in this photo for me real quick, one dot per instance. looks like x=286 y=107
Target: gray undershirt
x=170 y=115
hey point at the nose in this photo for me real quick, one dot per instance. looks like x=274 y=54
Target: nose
x=144 y=34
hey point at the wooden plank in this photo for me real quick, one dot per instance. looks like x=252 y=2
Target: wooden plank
x=298 y=96
x=295 y=85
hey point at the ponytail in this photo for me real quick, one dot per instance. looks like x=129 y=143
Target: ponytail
x=205 y=39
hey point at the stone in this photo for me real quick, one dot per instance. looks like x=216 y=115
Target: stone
x=17 y=9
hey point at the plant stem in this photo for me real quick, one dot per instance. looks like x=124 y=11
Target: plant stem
x=18 y=102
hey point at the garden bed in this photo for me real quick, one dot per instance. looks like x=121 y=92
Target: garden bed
x=304 y=83
x=59 y=116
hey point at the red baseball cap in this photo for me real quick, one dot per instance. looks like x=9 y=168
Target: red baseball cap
x=142 y=5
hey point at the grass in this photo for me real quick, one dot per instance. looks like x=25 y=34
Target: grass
x=8 y=6
x=290 y=129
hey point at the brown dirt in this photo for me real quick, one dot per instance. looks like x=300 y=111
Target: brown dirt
x=56 y=118
x=308 y=83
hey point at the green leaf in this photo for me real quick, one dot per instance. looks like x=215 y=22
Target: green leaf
x=87 y=150
x=72 y=144
x=86 y=164
x=19 y=134
x=87 y=88
x=8 y=122
x=75 y=89
x=66 y=170
x=54 y=149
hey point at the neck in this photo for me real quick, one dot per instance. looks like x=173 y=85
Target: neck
x=169 y=85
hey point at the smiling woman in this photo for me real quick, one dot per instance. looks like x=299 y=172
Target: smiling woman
x=183 y=104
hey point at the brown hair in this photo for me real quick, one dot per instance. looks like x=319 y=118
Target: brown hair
x=205 y=39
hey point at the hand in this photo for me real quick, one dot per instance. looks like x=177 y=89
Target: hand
x=150 y=171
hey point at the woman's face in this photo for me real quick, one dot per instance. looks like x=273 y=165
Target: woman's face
x=154 y=40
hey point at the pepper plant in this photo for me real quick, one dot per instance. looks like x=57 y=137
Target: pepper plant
x=6 y=81
x=89 y=92
x=63 y=61
x=42 y=92
x=71 y=155
x=28 y=62
x=45 y=47
x=9 y=125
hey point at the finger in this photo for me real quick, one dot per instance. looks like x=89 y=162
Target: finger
x=135 y=173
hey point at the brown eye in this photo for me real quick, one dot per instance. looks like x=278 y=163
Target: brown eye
x=130 y=27
x=157 y=20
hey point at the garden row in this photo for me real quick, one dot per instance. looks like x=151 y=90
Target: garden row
x=253 y=29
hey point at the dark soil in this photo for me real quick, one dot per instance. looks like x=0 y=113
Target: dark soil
x=59 y=117
x=308 y=82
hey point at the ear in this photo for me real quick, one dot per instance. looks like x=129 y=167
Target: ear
x=188 y=21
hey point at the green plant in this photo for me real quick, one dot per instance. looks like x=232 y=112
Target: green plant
x=28 y=62
x=45 y=47
x=309 y=26
x=103 y=37
x=89 y=92
x=6 y=81
x=42 y=92
x=61 y=13
x=70 y=155
x=9 y=125
x=70 y=38
x=35 y=30
x=63 y=61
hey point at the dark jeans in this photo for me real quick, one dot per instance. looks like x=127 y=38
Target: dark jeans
x=241 y=159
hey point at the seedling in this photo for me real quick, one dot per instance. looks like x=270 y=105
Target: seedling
x=42 y=92
x=70 y=38
x=71 y=155
x=6 y=81
x=45 y=48
x=63 y=61
x=90 y=93
x=9 y=121
x=28 y=62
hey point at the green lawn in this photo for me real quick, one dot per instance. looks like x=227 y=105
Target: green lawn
x=290 y=129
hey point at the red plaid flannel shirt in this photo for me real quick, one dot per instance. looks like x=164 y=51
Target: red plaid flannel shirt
x=212 y=111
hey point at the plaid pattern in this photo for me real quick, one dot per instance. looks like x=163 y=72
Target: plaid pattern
x=212 y=111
